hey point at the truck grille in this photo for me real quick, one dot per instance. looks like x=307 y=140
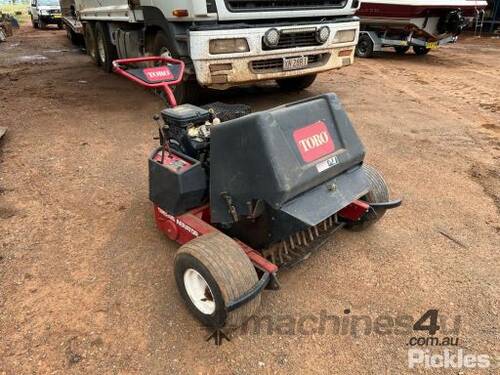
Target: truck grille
x=297 y=39
x=260 y=5
x=276 y=64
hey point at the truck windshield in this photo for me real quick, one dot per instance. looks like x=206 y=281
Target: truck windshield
x=48 y=3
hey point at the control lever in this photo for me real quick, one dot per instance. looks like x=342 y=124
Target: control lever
x=163 y=131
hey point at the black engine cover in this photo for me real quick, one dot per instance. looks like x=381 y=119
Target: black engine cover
x=302 y=158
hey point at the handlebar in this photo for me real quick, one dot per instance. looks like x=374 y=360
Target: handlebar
x=139 y=76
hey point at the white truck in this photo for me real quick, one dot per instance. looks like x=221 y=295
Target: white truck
x=45 y=12
x=226 y=43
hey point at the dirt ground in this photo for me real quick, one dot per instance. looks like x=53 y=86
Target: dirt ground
x=86 y=282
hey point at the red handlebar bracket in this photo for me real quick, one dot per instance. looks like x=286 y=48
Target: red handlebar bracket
x=158 y=77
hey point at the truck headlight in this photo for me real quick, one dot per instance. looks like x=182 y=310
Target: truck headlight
x=344 y=36
x=322 y=34
x=236 y=45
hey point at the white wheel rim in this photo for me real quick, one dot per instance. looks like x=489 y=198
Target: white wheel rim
x=199 y=291
x=100 y=46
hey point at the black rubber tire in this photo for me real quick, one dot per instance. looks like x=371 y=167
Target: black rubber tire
x=364 y=48
x=33 y=23
x=60 y=25
x=187 y=91
x=401 y=50
x=41 y=24
x=228 y=272
x=296 y=83
x=420 y=51
x=379 y=192
x=90 y=42
x=106 y=51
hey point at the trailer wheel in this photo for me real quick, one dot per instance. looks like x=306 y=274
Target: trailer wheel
x=90 y=42
x=210 y=271
x=296 y=83
x=379 y=192
x=364 y=48
x=106 y=51
x=420 y=51
x=186 y=91
x=401 y=50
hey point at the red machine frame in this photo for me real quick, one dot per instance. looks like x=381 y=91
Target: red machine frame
x=196 y=222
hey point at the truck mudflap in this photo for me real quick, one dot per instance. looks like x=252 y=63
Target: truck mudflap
x=319 y=203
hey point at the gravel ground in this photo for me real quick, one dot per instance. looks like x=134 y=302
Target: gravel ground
x=86 y=281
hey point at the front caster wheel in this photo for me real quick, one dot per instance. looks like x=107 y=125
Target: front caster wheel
x=378 y=193
x=210 y=271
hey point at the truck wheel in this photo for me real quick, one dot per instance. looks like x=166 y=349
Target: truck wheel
x=33 y=23
x=419 y=51
x=401 y=50
x=41 y=24
x=364 y=48
x=296 y=83
x=210 y=271
x=379 y=192
x=60 y=25
x=185 y=92
x=90 y=43
x=106 y=51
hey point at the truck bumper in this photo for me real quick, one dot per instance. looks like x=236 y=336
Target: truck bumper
x=51 y=19
x=258 y=64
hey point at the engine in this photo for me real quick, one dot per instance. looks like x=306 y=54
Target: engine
x=187 y=127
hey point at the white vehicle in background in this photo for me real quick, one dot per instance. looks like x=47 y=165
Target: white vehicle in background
x=45 y=12
x=226 y=43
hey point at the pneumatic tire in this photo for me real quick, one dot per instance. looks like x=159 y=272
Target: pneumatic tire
x=401 y=50
x=106 y=51
x=378 y=193
x=90 y=42
x=364 y=48
x=296 y=83
x=420 y=51
x=33 y=23
x=187 y=91
x=210 y=271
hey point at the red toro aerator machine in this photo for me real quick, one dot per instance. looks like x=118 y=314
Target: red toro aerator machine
x=252 y=194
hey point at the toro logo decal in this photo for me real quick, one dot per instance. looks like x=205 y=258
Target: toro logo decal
x=160 y=73
x=313 y=141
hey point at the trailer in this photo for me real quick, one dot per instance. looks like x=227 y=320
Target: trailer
x=225 y=43
x=373 y=41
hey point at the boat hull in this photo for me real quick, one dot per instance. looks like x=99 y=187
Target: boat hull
x=419 y=17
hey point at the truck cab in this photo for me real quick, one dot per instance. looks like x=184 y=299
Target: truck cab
x=45 y=12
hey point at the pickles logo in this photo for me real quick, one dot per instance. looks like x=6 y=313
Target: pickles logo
x=157 y=74
x=313 y=141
